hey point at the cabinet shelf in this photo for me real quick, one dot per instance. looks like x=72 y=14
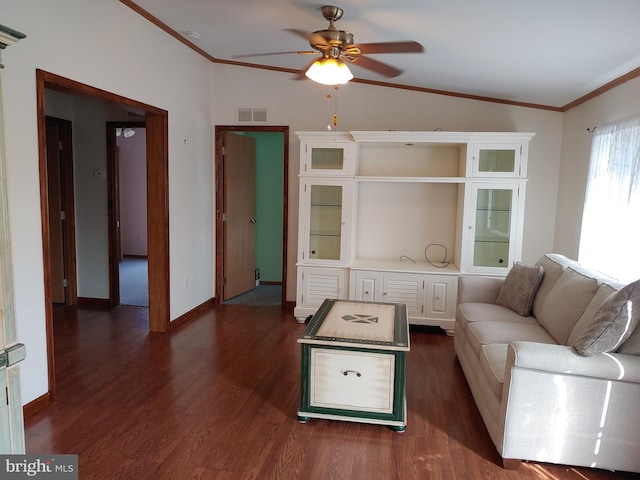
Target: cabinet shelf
x=386 y=179
x=402 y=266
x=502 y=242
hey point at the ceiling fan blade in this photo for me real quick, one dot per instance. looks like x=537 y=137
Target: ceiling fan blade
x=375 y=66
x=388 y=47
x=274 y=53
x=299 y=33
x=313 y=38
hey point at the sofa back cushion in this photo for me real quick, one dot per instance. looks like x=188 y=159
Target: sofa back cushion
x=565 y=303
x=553 y=266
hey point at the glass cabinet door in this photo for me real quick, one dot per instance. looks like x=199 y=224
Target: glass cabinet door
x=325 y=222
x=326 y=230
x=327 y=158
x=498 y=160
x=493 y=233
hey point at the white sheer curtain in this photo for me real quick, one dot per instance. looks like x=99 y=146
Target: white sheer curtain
x=610 y=238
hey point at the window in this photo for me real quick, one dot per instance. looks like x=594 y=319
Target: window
x=610 y=237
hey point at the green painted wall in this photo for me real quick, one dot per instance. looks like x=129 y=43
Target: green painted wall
x=269 y=203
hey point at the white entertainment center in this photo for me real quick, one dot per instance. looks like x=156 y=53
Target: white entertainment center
x=391 y=216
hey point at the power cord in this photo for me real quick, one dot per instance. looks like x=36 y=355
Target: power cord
x=444 y=263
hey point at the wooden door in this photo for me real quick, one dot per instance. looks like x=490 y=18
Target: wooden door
x=239 y=214
x=56 y=214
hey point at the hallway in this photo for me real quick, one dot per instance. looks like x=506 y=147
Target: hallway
x=134 y=283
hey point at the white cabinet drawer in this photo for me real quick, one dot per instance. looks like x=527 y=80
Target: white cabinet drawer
x=352 y=380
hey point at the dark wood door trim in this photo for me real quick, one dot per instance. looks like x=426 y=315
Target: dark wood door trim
x=156 y=121
x=157 y=125
x=219 y=198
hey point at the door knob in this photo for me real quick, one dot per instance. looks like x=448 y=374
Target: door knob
x=253 y=220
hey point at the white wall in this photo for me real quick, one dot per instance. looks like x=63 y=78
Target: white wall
x=106 y=45
x=617 y=104
x=133 y=192
x=303 y=106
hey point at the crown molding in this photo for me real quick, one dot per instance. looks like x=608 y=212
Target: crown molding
x=595 y=93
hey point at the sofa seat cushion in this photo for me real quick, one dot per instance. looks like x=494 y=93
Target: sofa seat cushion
x=482 y=312
x=493 y=360
x=565 y=303
x=486 y=333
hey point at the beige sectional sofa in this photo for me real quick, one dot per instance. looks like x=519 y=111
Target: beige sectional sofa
x=559 y=384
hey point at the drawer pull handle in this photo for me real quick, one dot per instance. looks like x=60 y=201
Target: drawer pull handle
x=347 y=372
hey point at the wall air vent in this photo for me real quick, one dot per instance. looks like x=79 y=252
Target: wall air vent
x=253 y=115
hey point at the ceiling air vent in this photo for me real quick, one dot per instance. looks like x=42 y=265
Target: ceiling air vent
x=252 y=115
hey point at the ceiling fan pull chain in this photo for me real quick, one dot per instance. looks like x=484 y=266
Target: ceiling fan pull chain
x=329 y=128
x=335 y=110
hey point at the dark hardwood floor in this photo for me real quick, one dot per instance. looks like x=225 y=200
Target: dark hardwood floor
x=217 y=399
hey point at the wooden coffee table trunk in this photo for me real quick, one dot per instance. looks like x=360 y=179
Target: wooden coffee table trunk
x=353 y=363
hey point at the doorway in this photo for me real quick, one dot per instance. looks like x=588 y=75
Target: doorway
x=156 y=123
x=127 y=192
x=279 y=134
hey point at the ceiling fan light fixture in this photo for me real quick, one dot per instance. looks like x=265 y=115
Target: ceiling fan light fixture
x=126 y=132
x=329 y=71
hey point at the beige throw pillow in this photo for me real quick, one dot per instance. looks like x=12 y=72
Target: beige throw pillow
x=631 y=345
x=613 y=323
x=520 y=287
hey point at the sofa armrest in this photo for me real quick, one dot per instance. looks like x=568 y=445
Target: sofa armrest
x=563 y=359
x=560 y=407
x=472 y=289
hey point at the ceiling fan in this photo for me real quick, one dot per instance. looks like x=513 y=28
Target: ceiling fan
x=337 y=47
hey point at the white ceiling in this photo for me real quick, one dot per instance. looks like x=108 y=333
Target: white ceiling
x=546 y=52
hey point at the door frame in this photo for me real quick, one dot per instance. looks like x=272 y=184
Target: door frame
x=68 y=206
x=156 y=123
x=220 y=130
x=113 y=214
